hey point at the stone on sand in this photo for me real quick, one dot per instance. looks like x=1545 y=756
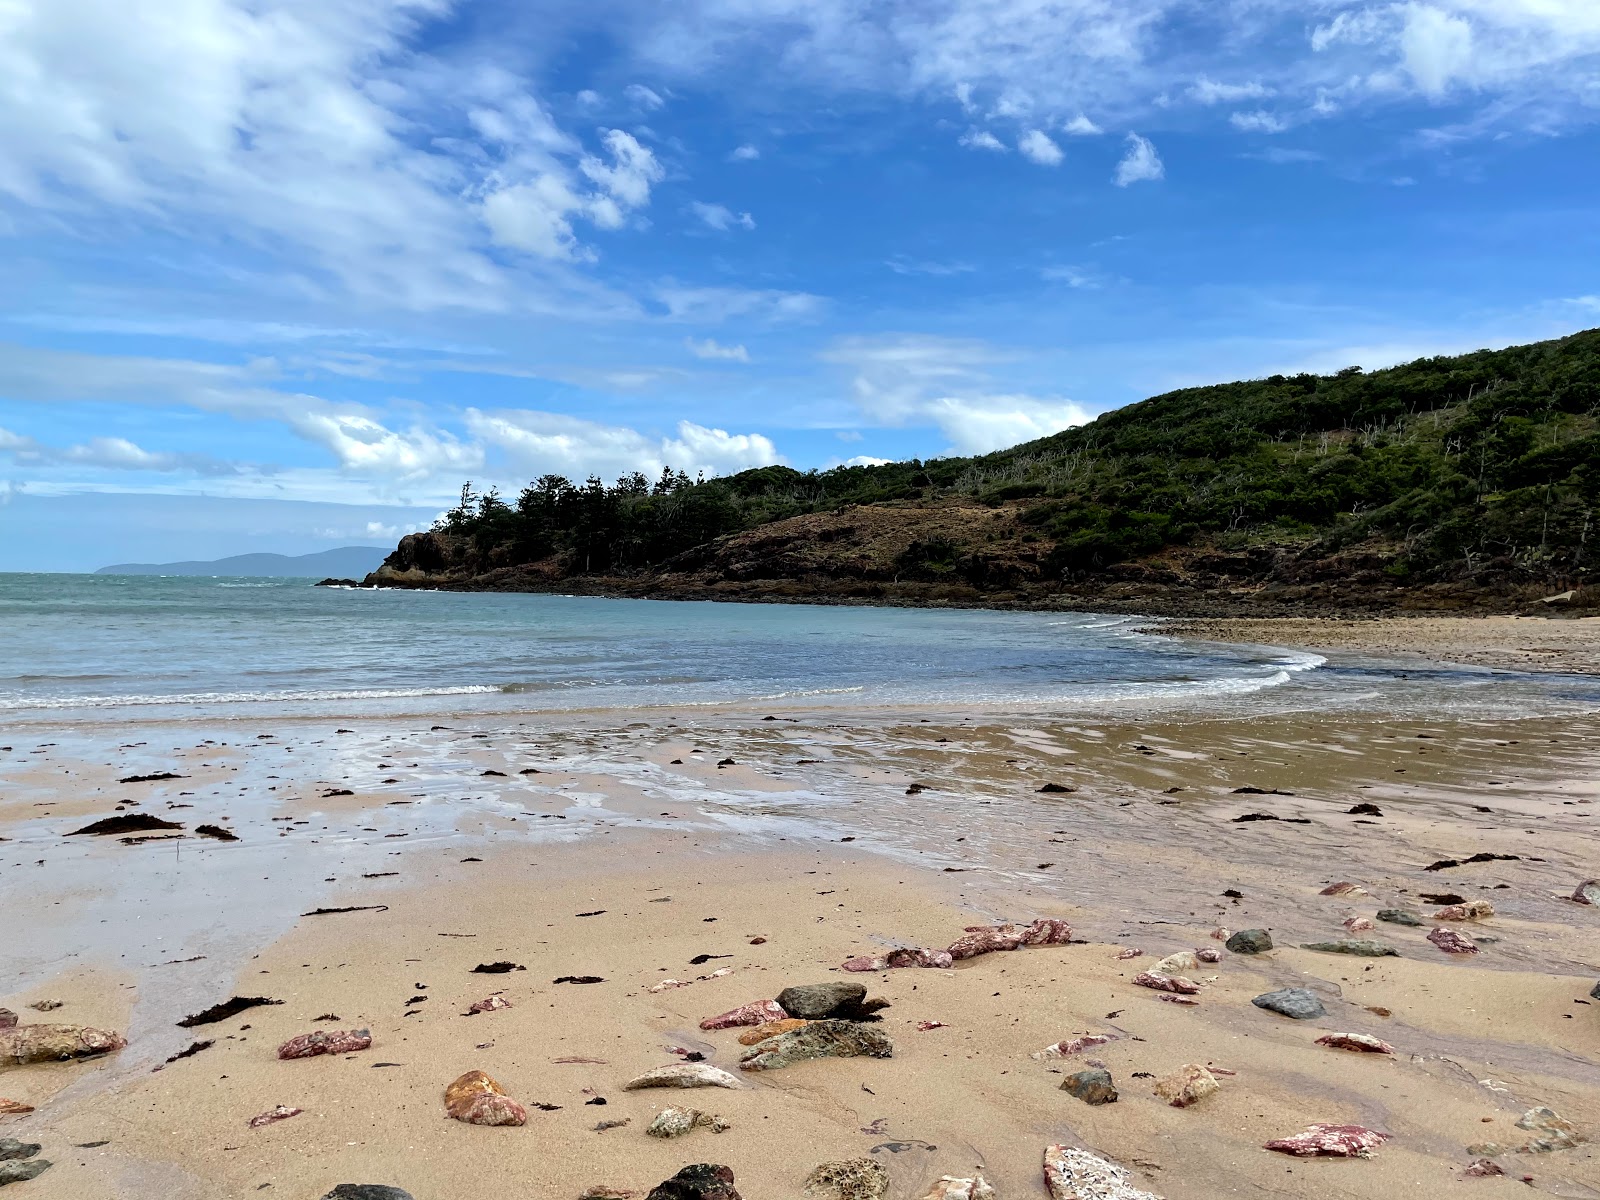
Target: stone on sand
x=10 y=1108
x=11 y=1148
x=1399 y=916
x=21 y=1172
x=1166 y=983
x=819 y=1039
x=1073 y=1174
x=1250 y=941
x=1555 y=1132
x=23 y=1044
x=1298 y=1003
x=1360 y=947
x=684 y=1075
x=1189 y=1084
x=477 y=1099
x=702 y=1181
x=1452 y=942
x=814 y=1001
x=1472 y=910
x=1093 y=1086
x=1177 y=964
x=909 y=956
x=948 y=1187
x=675 y=1122
x=1587 y=892
x=756 y=1013
x=850 y=1179
x=1331 y=1141
x=326 y=1041
x=367 y=1191
x=1361 y=1042
x=1067 y=1047
x=985 y=939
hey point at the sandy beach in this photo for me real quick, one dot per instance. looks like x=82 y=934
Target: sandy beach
x=635 y=849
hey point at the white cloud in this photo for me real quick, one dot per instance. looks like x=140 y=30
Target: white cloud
x=865 y=460
x=540 y=442
x=1074 y=277
x=1437 y=48
x=111 y=454
x=901 y=265
x=713 y=349
x=643 y=97
x=1140 y=163
x=945 y=382
x=1037 y=147
x=744 y=153
x=1081 y=126
x=982 y=139
x=709 y=305
x=1210 y=91
x=1260 y=121
x=719 y=216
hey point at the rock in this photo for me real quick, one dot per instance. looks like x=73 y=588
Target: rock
x=758 y=1013
x=1177 y=964
x=282 y=1113
x=985 y=939
x=21 y=1172
x=1555 y=1133
x=46 y=1005
x=1365 y=1043
x=684 y=1075
x=477 y=1099
x=1292 y=1002
x=492 y=1004
x=1331 y=1141
x=1399 y=916
x=1344 y=888
x=1483 y=1168
x=11 y=1149
x=55 y=1043
x=850 y=1179
x=1365 y=810
x=1188 y=1085
x=325 y=1041
x=1093 y=1086
x=1208 y=954
x=948 y=1187
x=814 y=1001
x=1359 y=924
x=905 y=957
x=8 y=1019
x=675 y=1122
x=819 y=1039
x=702 y=1181
x=1073 y=1174
x=1249 y=941
x=1451 y=942
x=1587 y=892
x=367 y=1191
x=1595 y=991
x=1472 y=910
x=1166 y=983
x=10 y=1108
x=1075 y=1045
x=771 y=1029
x=1361 y=947
x=1130 y=952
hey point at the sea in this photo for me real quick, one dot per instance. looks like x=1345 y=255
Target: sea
x=111 y=648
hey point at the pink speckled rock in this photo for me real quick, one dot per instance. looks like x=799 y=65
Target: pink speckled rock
x=492 y=1004
x=1222 y=933
x=1472 y=910
x=1130 y=952
x=1344 y=888
x=282 y=1113
x=325 y=1041
x=1331 y=1141
x=758 y=1013
x=1207 y=954
x=910 y=956
x=1359 y=924
x=1073 y=1174
x=55 y=1043
x=1451 y=942
x=1067 y=1047
x=986 y=939
x=477 y=1099
x=1365 y=1043
x=1167 y=983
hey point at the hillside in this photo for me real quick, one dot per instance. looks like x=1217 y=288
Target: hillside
x=353 y=561
x=1468 y=481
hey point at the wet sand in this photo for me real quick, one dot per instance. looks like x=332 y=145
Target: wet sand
x=807 y=839
x=1505 y=643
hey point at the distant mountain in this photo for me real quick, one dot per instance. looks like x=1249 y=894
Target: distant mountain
x=347 y=562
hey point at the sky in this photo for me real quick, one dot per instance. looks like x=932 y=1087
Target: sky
x=282 y=274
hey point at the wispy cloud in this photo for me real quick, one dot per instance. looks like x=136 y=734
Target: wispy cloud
x=710 y=348
x=1141 y=163
x=1036 y=146
x=721 y=217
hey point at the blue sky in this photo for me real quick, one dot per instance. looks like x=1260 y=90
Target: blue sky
x=279 y=275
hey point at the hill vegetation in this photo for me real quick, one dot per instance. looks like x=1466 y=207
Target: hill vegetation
x=1479 y=467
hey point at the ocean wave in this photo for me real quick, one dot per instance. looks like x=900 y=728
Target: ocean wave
x=21 y=703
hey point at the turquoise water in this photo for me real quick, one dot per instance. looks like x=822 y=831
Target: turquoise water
x=98 y=647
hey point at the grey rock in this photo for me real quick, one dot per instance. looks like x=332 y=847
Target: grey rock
x=1250 y=941
x=1595 y=991
x=1292 y=1002
x=10 y=1148
x=1092 y=1086
x=1399 y=916
x=21 y=1172
x=820 y=1039
x=367 y=1191
x=814 y=1001
x=1361 y=947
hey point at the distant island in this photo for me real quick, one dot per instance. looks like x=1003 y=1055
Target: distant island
x=1452 y=483
x=346 y=561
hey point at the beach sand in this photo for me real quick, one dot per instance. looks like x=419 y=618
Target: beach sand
x=631 y=852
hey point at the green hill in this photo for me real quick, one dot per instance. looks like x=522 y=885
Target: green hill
x=1479 y=471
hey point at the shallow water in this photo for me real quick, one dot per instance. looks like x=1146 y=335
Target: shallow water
x=121 y=648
